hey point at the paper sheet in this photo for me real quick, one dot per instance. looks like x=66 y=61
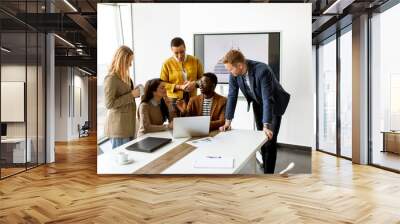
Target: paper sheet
x=200 y=142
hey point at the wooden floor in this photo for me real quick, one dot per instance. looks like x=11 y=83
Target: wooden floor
x=5 y=172
x=10 y=171
x=70 y=191
x=387 y=159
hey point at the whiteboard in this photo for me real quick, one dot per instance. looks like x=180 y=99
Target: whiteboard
x=253 y=46
x=12 y=101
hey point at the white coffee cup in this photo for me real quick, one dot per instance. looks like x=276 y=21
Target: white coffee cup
x=122 y=157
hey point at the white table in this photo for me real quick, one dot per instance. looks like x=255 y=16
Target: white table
x=242 y=145
x=106 y=163
x=18 y=154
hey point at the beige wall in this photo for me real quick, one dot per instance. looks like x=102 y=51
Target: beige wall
x=70 y=83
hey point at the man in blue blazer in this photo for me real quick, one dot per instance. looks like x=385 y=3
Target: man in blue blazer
x=260 y=87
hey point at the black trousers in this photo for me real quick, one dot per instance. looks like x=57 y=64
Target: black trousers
x=269 y=149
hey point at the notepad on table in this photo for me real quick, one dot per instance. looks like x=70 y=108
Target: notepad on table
x=214 y=162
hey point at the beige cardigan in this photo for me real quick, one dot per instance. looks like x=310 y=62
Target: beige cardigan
x=121 y=108
x=150 y=119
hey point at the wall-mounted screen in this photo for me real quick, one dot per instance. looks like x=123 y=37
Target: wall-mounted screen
x=12 y=101
x=263 y=47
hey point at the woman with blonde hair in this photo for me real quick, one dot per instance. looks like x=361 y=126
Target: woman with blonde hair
x=120 y=95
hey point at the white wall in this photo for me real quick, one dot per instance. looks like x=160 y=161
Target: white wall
x=156 y=24
x=65 y=119
x=82 y=83
x=61 y=103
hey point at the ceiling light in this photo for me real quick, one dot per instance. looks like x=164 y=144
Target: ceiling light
x=5 y=50
x=84 y=71
x=338 y=6
x=64 y=40
x=70 y=5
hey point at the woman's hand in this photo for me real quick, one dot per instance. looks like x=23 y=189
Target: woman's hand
x=136 y=92
x=182 y=87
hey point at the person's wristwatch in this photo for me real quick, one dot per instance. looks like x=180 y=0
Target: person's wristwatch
x=267 y=126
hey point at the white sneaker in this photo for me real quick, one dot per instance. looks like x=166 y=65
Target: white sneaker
x=259 y=159
x=287 y=169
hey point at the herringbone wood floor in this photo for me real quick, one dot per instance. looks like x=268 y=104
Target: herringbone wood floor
x=70 y=191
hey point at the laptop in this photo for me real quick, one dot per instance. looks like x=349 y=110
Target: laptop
x=149 y=144
x=198 y=126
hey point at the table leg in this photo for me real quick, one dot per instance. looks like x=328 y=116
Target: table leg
x=250 y=167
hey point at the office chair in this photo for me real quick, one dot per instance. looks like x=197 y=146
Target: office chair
x=84 y=130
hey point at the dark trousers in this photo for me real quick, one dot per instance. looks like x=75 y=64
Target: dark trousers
x=269 y=149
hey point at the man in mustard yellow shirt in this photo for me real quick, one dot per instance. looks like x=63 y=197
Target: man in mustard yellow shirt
x=181 y=72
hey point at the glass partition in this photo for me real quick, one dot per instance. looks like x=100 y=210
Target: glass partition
x=327 y=96
x=13 y=99
x=346 y=94
x=385 y=89
x=22 y=67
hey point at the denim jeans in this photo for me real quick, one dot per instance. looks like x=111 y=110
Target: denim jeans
x=115 y=142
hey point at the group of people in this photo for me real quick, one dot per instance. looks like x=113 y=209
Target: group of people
x=174 y=94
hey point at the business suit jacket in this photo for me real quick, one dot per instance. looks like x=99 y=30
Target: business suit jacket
x=269 y=94
x=195 y=108
x=121 y=108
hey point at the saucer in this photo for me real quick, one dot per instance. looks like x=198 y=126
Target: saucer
x=129 y=161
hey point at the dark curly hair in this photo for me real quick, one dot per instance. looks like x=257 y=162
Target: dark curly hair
x=212 y=77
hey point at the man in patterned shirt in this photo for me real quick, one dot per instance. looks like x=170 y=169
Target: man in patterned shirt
x=209 y=103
